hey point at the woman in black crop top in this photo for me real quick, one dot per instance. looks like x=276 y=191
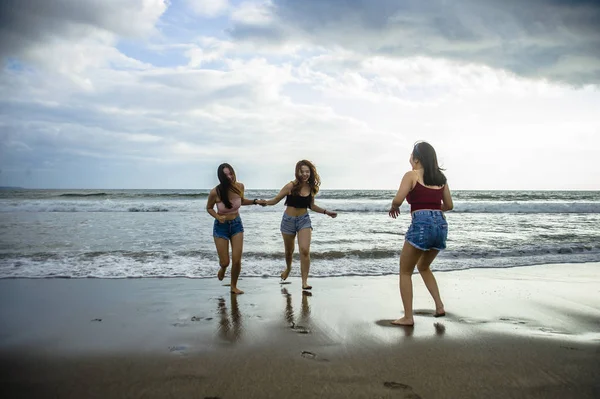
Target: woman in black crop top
x=300 y=196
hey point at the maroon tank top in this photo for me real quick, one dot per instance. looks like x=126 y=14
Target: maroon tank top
x=421 y=197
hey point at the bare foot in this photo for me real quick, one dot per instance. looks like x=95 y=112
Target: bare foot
x=404 y=321
x=285 y=274
x=221 y=274
x=439 y=312
x=307 y=287
x=236 y=291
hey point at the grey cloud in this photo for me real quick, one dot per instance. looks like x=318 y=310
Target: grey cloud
x=268 y=33
x=104 y=126
x=24 y=23
x=553 y=39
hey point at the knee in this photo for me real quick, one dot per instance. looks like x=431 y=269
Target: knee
x=304 y=251
x=224 y=262
x=406 y=271
x=236 y=262
x=423 y=270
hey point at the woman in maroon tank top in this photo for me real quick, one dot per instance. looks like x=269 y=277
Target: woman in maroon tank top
x=426 y=190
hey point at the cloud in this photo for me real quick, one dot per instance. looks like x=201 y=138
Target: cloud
x=208 y=8
x=69 y=36
x=159 y=102
x=551 y=39
x=24 y=23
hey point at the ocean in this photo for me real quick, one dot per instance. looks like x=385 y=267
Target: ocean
x=167 y=233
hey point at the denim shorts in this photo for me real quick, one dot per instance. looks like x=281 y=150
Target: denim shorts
x=293 y=224
x=228 y=229
x=428 y=230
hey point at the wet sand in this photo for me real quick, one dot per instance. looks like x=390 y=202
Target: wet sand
x=528 y=332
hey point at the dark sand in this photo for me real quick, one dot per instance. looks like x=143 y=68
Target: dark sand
x=529 y=332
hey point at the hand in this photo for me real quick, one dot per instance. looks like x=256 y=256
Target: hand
x=221 y=218
x=331 y=214
x=261 y=202
x=394 y=212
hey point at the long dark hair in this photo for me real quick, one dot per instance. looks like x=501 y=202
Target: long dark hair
x=226 y=185
x=432 y=173
x=314 y=180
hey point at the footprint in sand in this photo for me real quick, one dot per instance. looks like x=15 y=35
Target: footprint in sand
x=299 y=329
x=551 y=330
x=570 y=348
x=472 y=321
x=312 y=356
x=407 y=389
x=513 y=321
x=178 y=349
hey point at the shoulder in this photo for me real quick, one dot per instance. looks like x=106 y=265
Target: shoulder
x=411 y=175
x=290 y=185
x=240 y=185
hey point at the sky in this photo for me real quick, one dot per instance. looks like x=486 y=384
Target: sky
x=155 y=94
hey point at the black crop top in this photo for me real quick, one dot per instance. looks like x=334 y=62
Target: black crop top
x=298 y=201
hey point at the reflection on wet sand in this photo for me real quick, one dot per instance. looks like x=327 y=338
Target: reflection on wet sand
x=440 y=329
x=230 y=323
x=289 y=316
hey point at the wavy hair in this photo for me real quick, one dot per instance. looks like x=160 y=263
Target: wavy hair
x=314 y=180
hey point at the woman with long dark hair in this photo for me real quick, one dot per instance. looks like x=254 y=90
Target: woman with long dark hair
x=300 y=196
x=426 y=190
x=228 y=196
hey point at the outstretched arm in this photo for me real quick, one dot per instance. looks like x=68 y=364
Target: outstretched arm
x=246 y=201
x=407 y=184
x=284 y=191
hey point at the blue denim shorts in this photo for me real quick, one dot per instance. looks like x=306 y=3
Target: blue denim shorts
x=228 y=229
x=428 y=230
x=293 y=224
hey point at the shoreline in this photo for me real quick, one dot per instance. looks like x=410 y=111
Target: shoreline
x=265 y=277
x=521 y=332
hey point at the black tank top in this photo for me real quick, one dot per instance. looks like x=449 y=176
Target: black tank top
x=298 y=201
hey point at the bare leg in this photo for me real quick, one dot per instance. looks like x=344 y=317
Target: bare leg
x=304 y=237
x=223 y=252
x=288 y=244
x=429 y=280
x=237 y=246
x=408 y=259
